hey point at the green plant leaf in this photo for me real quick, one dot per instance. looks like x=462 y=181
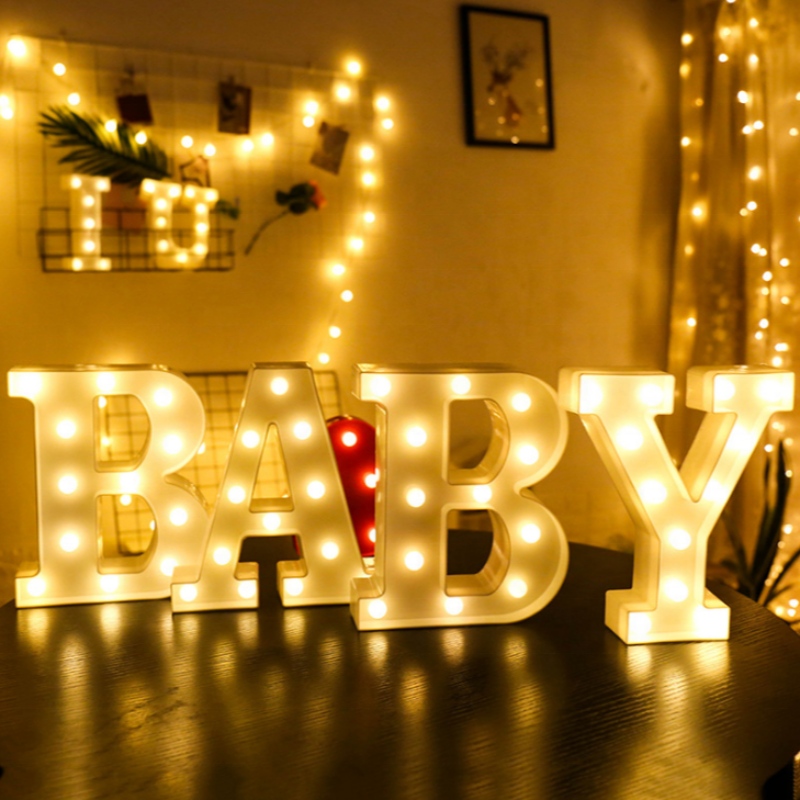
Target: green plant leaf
x=772 y=522
x=97 y=151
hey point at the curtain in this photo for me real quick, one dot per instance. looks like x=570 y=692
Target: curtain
x=737 y=257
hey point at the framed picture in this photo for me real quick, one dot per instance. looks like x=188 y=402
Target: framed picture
x=234 y=108
x=508 y=98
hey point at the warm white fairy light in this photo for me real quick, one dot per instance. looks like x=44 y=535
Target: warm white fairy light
x=59 y=69
x=74 y=99
x=343 y=92
x=17 y=47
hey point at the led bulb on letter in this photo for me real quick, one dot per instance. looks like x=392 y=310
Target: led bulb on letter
x=410 y=586
x=161 y=196
x=674 y=510
x=283 y=395
x=85 y=221
x=69 y=481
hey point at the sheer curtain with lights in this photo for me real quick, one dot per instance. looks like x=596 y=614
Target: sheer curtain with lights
x=735 y=281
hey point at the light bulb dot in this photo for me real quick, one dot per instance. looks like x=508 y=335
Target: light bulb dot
x=530 y=533
x=188 y=593
x=251 y=439
x=222 y=556
x=416 y=436
x=330 y=550
x=377 y=609
x=629 y=438
x=279 y=386
x=653 y=492
x=528 y=454
x=168 y=566
x=651 y=394
x=302 y=430
x=639 y=624
x=315 y=490
x=414 y=560
x=676 y=590
x=293 y=586
x=482 y=494
x=380 y=385
x=460 y=384
x=69 y=542
x=178 y=516
x=66 y=429
x=454 y=605
x=415 y=497
x=236 y=494
x=271 y=521
x=105 y=382
x=679 y=538
x=68 y=484
x=517 y=588
x=247 y=590
x=521 y=402
x=591 y=396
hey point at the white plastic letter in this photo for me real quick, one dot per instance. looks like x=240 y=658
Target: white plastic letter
x=69 y=481
x=417 y=488
x=674 y=511
x=161 y=196
x=86 y=221
x=283 y=395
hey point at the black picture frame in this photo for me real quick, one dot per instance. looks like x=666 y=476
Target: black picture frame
x=508 y=96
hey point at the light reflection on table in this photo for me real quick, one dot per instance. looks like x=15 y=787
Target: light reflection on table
x=120 y=699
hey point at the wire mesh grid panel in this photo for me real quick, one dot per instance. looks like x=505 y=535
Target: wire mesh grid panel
x=289 y=109
x=126 y=522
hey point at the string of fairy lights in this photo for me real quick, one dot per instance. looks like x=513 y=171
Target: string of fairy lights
x=340 y=267
x=768 y=127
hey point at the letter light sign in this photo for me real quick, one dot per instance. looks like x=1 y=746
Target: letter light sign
x=416 y=489
x=674 y=510
x=195 y=560
x=68 y=482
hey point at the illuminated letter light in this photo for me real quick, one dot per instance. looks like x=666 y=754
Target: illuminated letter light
x=674 y=511
x=85 y=221
x=161 y=196
x=68 y=484
x=283 y=395
x=409 y=587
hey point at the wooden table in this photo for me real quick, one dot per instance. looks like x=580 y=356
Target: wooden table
x=125 y=700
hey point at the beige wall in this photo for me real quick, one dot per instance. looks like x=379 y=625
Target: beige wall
x=536 y=259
